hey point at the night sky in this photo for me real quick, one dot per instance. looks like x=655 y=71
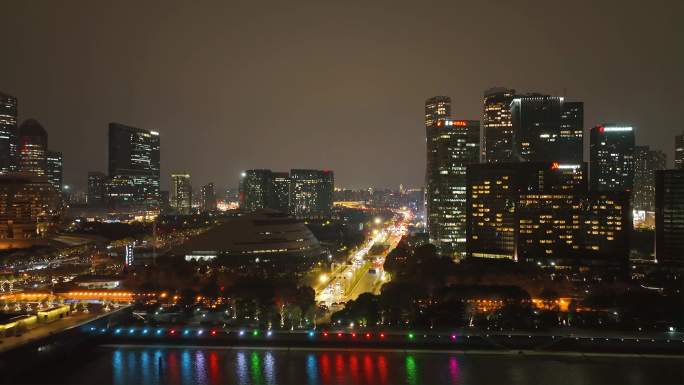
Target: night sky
x=331 y=85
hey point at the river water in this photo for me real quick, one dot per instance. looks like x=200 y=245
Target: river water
x=121 y=365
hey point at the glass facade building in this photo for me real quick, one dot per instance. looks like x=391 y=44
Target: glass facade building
x=180 y=195
x=670 y=217
x=55 y=169
x=437 y=107
x=452 y=145
x=8 y=133
x=32 y=148
x=547 y=129
x=497 y=125
x=311 y=193
x=97 y=187
x=611 y=162
x=134 y=162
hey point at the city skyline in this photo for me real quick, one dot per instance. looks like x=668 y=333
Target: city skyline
x=345 y=92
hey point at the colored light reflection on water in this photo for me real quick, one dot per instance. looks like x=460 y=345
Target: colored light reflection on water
x=411 y=372
x=265 y=367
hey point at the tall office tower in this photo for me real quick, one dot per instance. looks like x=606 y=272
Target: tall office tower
x=646 y=163
x=497 y=125
x=8 y=133
x=611 y=158
x=97 y=188
x=255 y=189
x=208 y=198
x=437 y=107
x=311 y=193
x=679 y=151
x=180 y=195
x=670 y=217
x=55 y=169
x=280 y=191
x=547 y=129
x=452 y=145
x=32 y=148
x=134 y=160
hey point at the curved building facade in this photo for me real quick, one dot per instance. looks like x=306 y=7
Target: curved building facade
x=265 y=240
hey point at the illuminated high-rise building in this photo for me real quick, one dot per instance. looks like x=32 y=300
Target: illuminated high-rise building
x=255 y=189
x=134 y=162
x=208 y=198
x=679 y=151
x=497 y=125
x=541 y=212
x=646 y=163
x=8 y=133
x=311 y=193
x=547 y=129
x=180 y=195
x=452 y=145
x=280 y=191
x=32 y=148
x=97 y=188
x=437 y=107
x=670 y=217
x=29 y=207
x=55 y=169
x=611 y=158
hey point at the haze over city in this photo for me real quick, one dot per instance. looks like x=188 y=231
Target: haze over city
x=239 y=85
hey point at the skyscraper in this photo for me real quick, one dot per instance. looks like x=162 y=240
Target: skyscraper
x=451 y=146
x=679 y=151
x=180 y=195
x=134 y=156
x=547 y=129
x=97 y=185
x=255 y=189
x=670 y=217
x=611 y=162
x=55 y=169
x=646 y=163
x=280 y=191
x=311 y=193
x=497 y=125
x=437 y=107
x=8 y=133
x=208 y=195
x=32 y=148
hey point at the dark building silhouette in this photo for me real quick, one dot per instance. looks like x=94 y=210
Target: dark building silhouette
x=547 y=129
x=133 y=165
x=679 y=151
x=451 y=146
x=611 y=158
x=208 y=198
x=669 y=204
x=97 y=185
x=180 y=195
x=32 y=148
x=497 y=125
x=646 y=163
x=8 y=133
